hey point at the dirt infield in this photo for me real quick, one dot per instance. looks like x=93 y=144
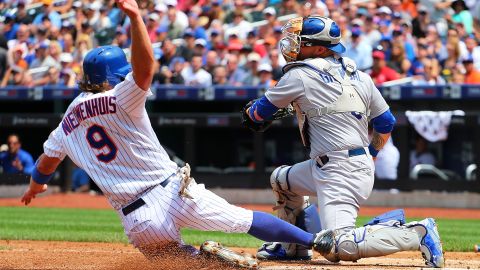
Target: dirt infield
x=109 y=256
x=72 y=255
x=99 y=202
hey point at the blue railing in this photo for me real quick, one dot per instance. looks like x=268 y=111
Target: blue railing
x=221 y=93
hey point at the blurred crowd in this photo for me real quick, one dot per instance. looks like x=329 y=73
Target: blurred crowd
x=235 y=42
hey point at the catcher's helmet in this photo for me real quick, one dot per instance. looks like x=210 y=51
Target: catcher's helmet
x=105 y=64
x=310 y=31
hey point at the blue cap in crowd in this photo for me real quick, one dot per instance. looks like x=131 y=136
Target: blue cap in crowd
x=175 y=60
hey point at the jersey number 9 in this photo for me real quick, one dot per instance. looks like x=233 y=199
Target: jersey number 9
x=98 y=138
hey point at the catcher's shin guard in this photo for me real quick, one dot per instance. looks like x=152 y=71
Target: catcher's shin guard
x=374 y=241
x=294 y=209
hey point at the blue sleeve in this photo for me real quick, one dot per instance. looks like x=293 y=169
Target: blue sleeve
x=264 y=108
x=384 y=123
x=28 y=163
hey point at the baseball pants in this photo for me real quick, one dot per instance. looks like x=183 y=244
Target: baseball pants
x=341 y=186
x=165 y=212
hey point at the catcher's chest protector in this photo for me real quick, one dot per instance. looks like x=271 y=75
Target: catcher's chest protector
x=348 y=101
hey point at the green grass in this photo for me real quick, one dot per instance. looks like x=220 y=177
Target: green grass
x=23 y=223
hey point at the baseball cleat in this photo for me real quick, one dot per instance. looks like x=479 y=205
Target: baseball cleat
x=324 y=242
x=275 y=251
x=238 y=259
x=430 y=244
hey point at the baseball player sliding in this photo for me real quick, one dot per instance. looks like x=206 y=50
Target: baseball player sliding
x=334 y=103
x=107 y=132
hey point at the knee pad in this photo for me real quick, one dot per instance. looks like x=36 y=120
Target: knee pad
x=279 y=179
x=289 y=204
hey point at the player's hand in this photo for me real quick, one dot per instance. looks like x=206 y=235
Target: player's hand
x=32 y=191
x=129 y=7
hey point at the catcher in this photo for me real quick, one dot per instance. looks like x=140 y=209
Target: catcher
x=334 y=102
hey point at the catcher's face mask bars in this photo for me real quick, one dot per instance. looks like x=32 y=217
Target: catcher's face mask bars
x=290 y=42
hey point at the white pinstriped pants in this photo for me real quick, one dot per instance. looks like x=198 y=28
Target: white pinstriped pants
x=159 y=221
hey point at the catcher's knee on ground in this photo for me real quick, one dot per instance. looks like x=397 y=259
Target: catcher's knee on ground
x=292 y=207
x=373 y=241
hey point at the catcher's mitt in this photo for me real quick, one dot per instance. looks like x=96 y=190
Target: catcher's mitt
x=261 y=127
x=236 y=258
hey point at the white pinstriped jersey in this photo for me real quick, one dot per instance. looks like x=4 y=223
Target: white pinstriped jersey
x=109 y=135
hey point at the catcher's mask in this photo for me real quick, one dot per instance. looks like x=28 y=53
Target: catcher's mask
x=311 y=31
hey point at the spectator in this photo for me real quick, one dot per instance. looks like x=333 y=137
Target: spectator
x=239 y=26
x=450 y=64
x=200 y=47
x=186 y=49
x=386 y=164
x=152 y=25
x=265 y=76
x=271 y=17
x=359 y=51
x=43 y=62
x=253 y=60
x=22 y=35
x=239 y=8
x=473 y=50
x=103 y=21
x=380 y=71
x=216 y=11
x=287 y=7
x=421 y=22
x=169 y=52
x=236 y=75
x=212 y=61
x=220 y=76
x=175 y=27
x=398 y=59
x=47 y=11
x=13 y=76
x=16 y=160
x=195 y=74
x=372 y=36
x=274 y=58
x=421 y=155
x=462 y=15
x=121 y=38
x=431 y=74
x=22 y=16
x=67 y=76
x=472 y=75
x=171 y=74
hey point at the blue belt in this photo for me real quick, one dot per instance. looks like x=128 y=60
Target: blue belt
x=140 y=202
x=351 y=153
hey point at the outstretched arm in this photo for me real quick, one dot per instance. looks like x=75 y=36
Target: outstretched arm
x=141 y=52
x=41 y=174
x=382 y=128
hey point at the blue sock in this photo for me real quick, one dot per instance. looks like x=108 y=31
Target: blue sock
x=272 y=229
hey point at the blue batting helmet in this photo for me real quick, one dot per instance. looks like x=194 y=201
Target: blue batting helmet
x=105 y=64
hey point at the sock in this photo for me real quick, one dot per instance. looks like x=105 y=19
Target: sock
x=272 y=229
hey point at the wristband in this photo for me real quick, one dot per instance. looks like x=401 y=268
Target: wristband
x=373 y=151
x=39 y=177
